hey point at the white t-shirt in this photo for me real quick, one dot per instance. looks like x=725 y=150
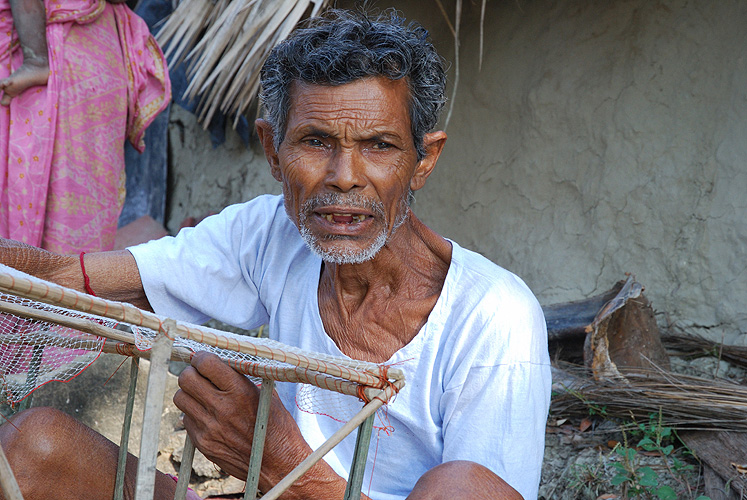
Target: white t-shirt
x=477 y=374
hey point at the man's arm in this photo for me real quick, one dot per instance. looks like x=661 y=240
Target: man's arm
x=112 y=275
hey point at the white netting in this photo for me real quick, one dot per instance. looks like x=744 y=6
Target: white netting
x=40 y=342
x=34 y=352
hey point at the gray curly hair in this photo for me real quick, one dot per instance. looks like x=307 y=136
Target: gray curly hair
x=343 y=46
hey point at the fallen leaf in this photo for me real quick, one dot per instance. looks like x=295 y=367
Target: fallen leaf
x=741 y=468
x=585 y=424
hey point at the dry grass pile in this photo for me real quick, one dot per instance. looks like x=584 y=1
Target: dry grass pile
x=686 y=402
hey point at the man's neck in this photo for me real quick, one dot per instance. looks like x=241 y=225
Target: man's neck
x=373 y=309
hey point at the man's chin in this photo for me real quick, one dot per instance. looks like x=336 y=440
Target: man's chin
x=341 y=253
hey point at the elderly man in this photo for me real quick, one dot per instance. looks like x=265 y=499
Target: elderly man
x=337 y=264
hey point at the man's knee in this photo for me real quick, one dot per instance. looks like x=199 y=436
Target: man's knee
x=462 y=479
x=33 y=442
x=36 y=430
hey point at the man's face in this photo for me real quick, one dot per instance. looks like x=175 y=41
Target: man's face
x=346 y=165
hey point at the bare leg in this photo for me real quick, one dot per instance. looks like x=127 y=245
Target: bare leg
x=30 y=21
x=55 y=456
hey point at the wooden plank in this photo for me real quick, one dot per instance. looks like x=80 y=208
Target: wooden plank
x=154 y=393
x=721 y=451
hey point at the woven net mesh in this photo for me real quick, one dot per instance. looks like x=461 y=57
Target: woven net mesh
x=34 y=352
x=39 y=345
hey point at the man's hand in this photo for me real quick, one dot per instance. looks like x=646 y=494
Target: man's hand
x=220 y=407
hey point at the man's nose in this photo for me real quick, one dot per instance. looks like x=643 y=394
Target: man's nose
x=346 y=171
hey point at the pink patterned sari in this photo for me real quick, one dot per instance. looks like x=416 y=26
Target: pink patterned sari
x=62 y=145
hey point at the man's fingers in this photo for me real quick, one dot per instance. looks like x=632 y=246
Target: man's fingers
x=215 y=370
x=189 y=405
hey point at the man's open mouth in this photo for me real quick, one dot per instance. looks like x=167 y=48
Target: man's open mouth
x=344 y=218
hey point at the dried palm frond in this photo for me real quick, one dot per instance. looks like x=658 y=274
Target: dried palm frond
x=225 y=43
x=685 y=402
x=691 y=346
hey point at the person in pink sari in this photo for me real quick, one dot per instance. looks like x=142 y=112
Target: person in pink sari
x=62 y=144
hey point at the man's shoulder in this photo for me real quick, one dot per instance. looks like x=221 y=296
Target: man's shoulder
x=478 y=287
x=262 y=216
x=268 y=205
x=475 y=269
x=492 y=313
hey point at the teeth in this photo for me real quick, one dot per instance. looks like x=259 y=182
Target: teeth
x=356 y=218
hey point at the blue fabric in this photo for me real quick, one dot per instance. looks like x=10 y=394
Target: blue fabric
x=147 y=172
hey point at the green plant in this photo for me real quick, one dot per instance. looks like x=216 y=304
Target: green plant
x=642 y=481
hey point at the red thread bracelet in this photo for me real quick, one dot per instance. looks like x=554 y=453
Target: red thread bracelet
x=86 y=279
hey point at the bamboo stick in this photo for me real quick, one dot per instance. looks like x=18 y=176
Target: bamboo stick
x=358 y=467
x=258 y=441
x=185 y=469
x=8 y=483
x=124 y=440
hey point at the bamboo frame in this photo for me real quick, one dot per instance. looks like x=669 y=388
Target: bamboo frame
x=50 y=293
x=123 y=343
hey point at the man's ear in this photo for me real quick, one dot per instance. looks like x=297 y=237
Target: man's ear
x=434 y=143
x=267 y=138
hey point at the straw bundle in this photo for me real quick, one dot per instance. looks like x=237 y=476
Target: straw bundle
x=225 y=44
x=685 y=402
x=691 y=346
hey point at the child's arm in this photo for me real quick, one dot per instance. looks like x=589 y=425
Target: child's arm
x=30 y=20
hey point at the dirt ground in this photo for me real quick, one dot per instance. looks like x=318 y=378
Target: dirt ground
x=581 y=461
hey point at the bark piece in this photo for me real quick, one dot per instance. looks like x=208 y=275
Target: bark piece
x=624 y=336
x=723 y=452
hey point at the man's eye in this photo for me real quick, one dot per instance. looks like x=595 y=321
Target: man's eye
x=314 y=143
x=382 y=145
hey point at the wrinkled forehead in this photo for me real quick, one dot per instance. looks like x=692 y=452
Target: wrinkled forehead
x=374 y=99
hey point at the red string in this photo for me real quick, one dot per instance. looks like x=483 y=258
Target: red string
x=86 y=279
x=362 y=394
x=384 y=375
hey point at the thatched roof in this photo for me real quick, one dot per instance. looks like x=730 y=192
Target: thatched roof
x=225 y=44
